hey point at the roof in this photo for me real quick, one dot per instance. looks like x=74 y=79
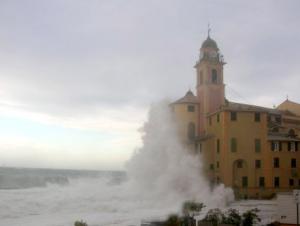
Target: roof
x=189 y=98
x=290 y=106
x=209 y=43
x=280 y=137
x=247 y=107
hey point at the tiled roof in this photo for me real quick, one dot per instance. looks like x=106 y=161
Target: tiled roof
x=188 y=98
x=247 y=107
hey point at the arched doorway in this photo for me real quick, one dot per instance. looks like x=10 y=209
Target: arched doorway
x=240 y=174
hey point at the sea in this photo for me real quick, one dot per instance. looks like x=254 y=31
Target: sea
x=59 y=197
x=53 y=197
x=159 y=177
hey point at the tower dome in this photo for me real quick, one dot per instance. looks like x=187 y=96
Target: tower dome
x=209 y=43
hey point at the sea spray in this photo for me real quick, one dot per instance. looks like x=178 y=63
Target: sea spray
x=161 y=175
x=165 y=171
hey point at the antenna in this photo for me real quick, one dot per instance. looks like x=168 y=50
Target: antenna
x=208 y=30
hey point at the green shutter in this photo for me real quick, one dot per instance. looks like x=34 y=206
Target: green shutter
x=233 y=145
x=257 y=145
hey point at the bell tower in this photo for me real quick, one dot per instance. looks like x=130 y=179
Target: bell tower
x=210 y=87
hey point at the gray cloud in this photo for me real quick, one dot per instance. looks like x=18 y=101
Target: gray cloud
x=74 y=57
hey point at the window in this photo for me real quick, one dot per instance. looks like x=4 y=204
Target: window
x=218 y=117
x=233 y=116
x=209 y=121
x=292 y=133
x=292 y=146
x=291 y=182
x=257 y=117
x=191 y=108
x=214 y=76
x=218 y=146
x=293 y=163
x=261 y=181
x=257 y=164
x=278 y=119
x=276 y=146
x=211 y=166
x=257 y=145
x=276 y=182
x=191 y=131
x=239 y=164
x=245 y=182
x=217 y=165
x=276 y=162
x=233 y=145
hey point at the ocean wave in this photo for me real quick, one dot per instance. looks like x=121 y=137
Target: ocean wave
x=23 y=178
x=24 y=181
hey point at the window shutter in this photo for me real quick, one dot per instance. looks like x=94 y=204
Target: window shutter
x=272 y=146
x=296 y=146
x=280 y=146
x=289 y=146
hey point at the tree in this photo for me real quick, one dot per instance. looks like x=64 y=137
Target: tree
x=250 y=217
x=232 y=217
x=215 y=216
x=173 y=220
x=191 y=208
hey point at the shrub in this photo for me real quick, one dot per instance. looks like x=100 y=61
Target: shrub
x=191 y=208
x=250 y=217
x=215 y=216
x=232 y=217
x=80 y=223
x=173 y=220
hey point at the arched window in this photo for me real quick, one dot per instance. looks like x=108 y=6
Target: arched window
x=292 y=133
x=214 y=76
x=191 y=131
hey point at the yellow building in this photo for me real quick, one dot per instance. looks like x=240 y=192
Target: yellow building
x=255 y=150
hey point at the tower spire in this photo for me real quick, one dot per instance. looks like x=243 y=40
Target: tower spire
x=208 y=30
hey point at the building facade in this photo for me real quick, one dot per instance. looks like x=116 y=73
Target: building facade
x=255 y=150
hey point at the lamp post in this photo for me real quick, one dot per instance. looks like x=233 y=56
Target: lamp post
x=297 y=196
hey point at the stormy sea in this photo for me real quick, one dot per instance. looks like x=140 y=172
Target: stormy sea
x=159 y=177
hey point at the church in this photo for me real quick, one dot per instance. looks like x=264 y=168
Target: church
x=252 y=149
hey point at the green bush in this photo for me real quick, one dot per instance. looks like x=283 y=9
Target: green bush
x=215 y=216
x=191 y=208
x=173 y=220
x=233 y=217
x=250 y=217
x=80 y=223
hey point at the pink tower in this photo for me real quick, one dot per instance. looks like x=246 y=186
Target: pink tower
x=210 y=87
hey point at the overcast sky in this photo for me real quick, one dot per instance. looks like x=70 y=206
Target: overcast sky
x=77 y=77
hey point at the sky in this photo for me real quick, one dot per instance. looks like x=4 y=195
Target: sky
x=77 y=77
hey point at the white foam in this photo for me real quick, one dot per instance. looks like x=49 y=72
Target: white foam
x=161 y=176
